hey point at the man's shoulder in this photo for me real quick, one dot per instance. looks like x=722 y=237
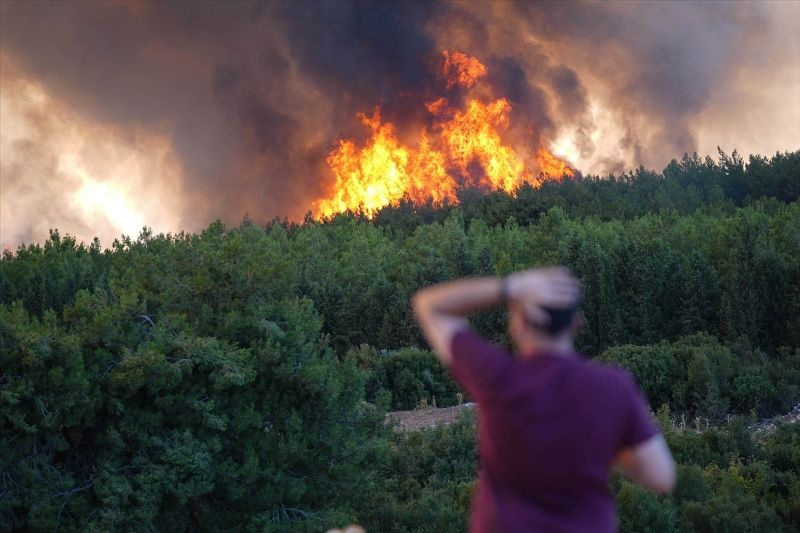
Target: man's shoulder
x=480 y=366
x=466 y=341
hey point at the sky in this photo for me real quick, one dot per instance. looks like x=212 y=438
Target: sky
x=118 y=115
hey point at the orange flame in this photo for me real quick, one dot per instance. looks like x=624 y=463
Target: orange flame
x=461 y=69
x=551 y=166
x=466 y=147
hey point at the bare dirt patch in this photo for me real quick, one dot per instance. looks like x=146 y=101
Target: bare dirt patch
x=767 y=427
x=426 y=418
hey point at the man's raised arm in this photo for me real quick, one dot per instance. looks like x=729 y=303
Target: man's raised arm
x=441 y=309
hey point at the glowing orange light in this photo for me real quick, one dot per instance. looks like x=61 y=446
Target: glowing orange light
x=552 y=167
x=465 y=147
x=86 y=179
x=461 y=69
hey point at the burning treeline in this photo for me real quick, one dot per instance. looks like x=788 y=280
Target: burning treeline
x=465 y=143
x=254 y=107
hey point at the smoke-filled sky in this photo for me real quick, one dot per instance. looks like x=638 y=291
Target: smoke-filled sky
x=116 y=115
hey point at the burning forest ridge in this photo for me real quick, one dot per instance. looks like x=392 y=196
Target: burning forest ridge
x=115 y=115
x=463 y=145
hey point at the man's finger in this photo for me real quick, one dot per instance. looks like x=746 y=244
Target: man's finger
x=559 y=296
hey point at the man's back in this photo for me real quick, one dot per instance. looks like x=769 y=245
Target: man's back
x=550 y=427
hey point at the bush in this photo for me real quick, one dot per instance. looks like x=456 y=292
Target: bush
x=123 y=426
x=411 y=376
x=699 y=376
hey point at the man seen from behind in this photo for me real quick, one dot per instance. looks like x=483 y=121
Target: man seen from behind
x=551 y=423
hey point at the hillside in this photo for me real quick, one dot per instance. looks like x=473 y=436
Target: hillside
x=240 y=378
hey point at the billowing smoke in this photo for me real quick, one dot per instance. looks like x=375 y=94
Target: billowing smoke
x=247 y=98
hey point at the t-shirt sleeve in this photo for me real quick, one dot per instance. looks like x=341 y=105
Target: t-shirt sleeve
x=639 y=424
x=478 y=365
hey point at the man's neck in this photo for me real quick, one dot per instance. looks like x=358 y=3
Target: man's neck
x=534 y=345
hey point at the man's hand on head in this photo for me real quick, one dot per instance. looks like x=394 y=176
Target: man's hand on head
x=441 y=309
x=539 y=288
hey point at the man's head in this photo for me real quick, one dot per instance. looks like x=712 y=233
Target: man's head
x=559 y=324
x=543 y=313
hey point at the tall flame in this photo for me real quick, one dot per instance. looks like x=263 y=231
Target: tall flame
x=461 y=69
x=465 y=148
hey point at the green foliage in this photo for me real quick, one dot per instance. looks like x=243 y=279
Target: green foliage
x=428 y=481
x=682 y=186
x=641 y=510
x=237 y=378
x=701 y=377
x=408 y=375
x=127 y=423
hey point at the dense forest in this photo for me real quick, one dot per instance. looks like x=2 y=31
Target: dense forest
x=238 y=378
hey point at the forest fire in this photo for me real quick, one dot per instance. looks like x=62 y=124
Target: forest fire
x=464 y=147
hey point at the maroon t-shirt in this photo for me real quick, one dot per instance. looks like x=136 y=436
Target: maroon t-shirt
x=549 y=428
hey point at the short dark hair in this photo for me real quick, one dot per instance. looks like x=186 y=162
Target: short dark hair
x=560 y=320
